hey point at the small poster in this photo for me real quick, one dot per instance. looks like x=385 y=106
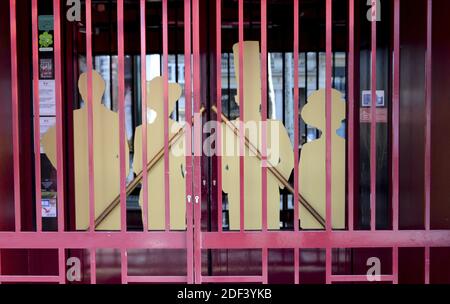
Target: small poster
x=47 y=104
x=381 y=115
x=49 y=207
x=366 y=100
x=45 y=22
x=46 y=68
x=46 y=42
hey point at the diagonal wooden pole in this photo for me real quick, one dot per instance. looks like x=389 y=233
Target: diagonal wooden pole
x=174 y=138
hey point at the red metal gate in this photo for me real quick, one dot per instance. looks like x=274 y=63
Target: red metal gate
x=92 y=240
x=195 y=240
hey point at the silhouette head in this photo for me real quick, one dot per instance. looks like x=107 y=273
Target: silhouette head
x=98 y=87
x=155 y=95
x=252 y=79
x=313 y=112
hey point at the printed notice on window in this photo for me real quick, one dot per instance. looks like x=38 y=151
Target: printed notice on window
x=47 y=104
x=49 y=207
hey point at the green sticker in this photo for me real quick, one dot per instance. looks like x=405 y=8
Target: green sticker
x=45 y=39
x=45 y=23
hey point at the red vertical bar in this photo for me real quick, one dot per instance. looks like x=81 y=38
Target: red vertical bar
x=427 y=265
x=265 y=271
x=15 y=114
x=328 y=266
x=36 y=114
x=59 y=115
x=166 y=113
x=241 y=113
x=122 y=138
x=396 y=117
x=121 y=96
x=396 y=134
x=296 y=110
x=188 y=138
x=124 y=265
x=395 y=264
x=351 y=112
x=90 y=109
x=264 y=112
x=264 y=133
x=296 y=136
x=62 y=265
x=93 y=265
x=373 y=121
x=328 y=111
x=144 y=113
x=428 y=86
x=219 y=110
x=197 y=141
x=59 y=133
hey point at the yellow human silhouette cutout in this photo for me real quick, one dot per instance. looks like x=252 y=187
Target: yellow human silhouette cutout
x=155 y=142
x=312 y=165
x=279 y=152
x=106 y=156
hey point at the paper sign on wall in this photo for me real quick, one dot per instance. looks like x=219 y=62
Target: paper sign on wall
x=45 y=68
x=47 y=104
x=49 y=207
x=366 y=100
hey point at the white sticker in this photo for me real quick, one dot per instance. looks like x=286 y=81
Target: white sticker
x=49 y=207
x=47 y=104
x=366 y=100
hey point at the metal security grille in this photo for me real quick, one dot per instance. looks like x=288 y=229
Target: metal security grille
x=196 y=240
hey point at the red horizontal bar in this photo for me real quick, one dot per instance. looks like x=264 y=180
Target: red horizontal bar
x=128 y=240
x=232 y=279
x=359 y=278
x=322 y=239
x=231 y=240
x=156 y=279
x=29 y=279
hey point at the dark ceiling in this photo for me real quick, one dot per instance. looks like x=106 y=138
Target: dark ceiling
x=279 y=20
